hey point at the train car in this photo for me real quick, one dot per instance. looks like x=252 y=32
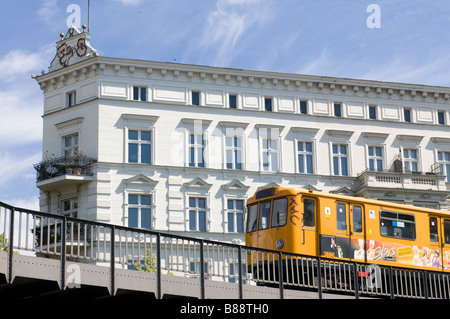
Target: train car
x=301 y=221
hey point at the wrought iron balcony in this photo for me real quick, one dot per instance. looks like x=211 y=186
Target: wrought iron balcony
x=71 y=165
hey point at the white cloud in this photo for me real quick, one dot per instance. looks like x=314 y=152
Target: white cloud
x=21 y=97
x=228 y=23
x=18 y=63
x=48 y=10
x=21 y=110
x=11 y=167
x=129 y=2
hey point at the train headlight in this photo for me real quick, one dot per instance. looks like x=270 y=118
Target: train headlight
x=279 y=244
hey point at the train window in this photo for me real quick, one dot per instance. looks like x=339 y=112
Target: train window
x=341 y=217
x=265 y=193
x=264 y=215
x=308 y=213
x=446 y=231
x=434 y=230
x=279 y=212
x=252 y=217
x=397 y=225
x=357 y=219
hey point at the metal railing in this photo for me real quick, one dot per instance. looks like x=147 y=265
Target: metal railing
x=69 y=165
x=70 y=239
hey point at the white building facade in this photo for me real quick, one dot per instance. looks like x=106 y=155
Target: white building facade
x=180 y=148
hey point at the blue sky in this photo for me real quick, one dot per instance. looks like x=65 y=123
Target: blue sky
x=319 y=37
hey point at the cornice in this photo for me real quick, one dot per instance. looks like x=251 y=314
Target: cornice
x=248 y=79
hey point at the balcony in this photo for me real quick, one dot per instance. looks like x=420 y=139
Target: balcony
x=430 y=181
x=58 y=172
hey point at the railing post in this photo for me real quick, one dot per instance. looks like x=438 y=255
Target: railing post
x=240 y=272
x=319 y=278
x=391 y=283
x=112 y=241
x=63 y=252
x=202 y=271
x=425 y=284
x=11 y=246
x=158 y=266
x=280 y=275
x=355 y=265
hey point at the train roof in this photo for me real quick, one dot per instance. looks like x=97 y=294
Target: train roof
x=299 y=190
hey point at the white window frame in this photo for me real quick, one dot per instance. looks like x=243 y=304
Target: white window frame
x=140 y=89
x=375 y=158
x=305 y=153
x=140 y=123
x=68 y=151
x=234 y=211
x=340 y=157
x=71 y=98
x=196 y=147
x=410 y=160
x=233 y=149
x=197 y=209
x=74 y=207
x=139 y=142
x=272 y=137
x=139 y=206
x=443 y=164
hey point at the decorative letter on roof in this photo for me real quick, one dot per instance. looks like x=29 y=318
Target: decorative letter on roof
x=74 y=47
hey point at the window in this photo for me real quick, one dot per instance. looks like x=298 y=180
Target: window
x=235 y=213
x=196 y=150
x=233 y=151
x=340 y=160
x=337 y=110
x=407 y=114
x=375 y=158
x=70 y=145
x=341 y=217
x=264 y=215
x=441 y=117
x=195 y=98
x=410 y=160
x=357 y=219
x=197 y=214
x=232 y=101
x=71 y=99
x=309 y=218
x=444 y=164
x=305 y=157
x=303 y=107
x=252 y=218
x=446 y=231
x=139 y=93
x=372 y=112
x=397 y=225
x=279 y=214
x=269 y=152
x=139 y=211
x=70 y=208
x=434 y=237
x=139 y=147
x=268 y=104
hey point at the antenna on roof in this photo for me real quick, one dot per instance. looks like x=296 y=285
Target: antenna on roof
x=89 y=14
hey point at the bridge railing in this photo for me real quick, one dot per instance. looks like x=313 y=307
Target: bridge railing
x=71 y=239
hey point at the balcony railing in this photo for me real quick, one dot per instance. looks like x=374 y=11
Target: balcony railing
x=409 y=180
x=80 y=165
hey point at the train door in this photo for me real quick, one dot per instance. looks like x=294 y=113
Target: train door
x=439 y=253
x=309 y=226
x=348 y=240
x=357 y=233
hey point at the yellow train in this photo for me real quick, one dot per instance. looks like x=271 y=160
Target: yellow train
x=301 y=221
